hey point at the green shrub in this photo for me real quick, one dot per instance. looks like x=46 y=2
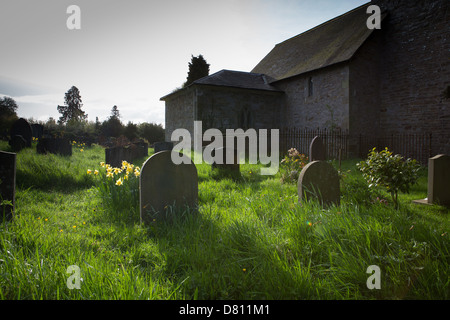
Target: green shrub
x=390 y=171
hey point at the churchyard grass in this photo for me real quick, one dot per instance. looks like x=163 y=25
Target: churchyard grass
x=250 y=239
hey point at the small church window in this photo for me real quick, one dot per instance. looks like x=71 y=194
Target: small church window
x=310 y=87
x=246 y=119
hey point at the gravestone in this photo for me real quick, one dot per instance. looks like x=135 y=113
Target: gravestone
x=317 y=150
x=59 y=146
x=163 y=183
x=319 y=180
x=115 y=155
x=438 y=181
x=8 y=183
x=21 y=127
x=162 y=146
x=37 y=130
x=232 y=168
x=17 y=143
x=141 y=149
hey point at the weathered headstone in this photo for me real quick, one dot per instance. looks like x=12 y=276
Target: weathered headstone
x=224 y=165
x=8 y=184
x=319 y=180
x=115 y=155
x=17 y=143
x=141 y=149
x=163 y=184
x=162 y=146
x=22 y=128
x=37 y=130
x=438 y=181
x=59 y=146
x=317 y=150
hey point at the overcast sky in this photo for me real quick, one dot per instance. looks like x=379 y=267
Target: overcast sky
x=131 y=53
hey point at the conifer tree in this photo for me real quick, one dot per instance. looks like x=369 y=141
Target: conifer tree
x=198 y=68
x=71 y=111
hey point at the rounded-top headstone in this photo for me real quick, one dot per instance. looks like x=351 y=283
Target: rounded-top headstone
x=317 y=150
x=22 y=128
x=164 y=183
x=319 y=180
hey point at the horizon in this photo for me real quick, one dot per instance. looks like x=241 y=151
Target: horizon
x=130 y=54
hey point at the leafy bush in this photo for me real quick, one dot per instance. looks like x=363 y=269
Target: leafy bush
x=291 y=165
x=390 y=171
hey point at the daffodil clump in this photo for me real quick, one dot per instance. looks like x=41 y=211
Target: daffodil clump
x=79 y=145
x=119 y=187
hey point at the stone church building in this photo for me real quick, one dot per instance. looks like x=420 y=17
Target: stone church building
x=340 y=74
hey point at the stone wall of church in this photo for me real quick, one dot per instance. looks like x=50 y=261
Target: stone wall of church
x=318 y=99
x=233 y=108
x=179 y=112
x=415 y=69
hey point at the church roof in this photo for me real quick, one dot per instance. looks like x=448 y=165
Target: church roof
x=234 y=79
x=332 y=42
x=238 y=79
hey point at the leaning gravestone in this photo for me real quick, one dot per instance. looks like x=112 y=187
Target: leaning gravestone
x=7 y=184
x=22 y=128
x=319 y=180
x=438 y=181
x=317 y=150
x=59 y=146
x=162 y=183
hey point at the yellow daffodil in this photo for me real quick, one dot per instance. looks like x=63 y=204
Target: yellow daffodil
x=96 y=172
x=109 y=174
x=117 y=171
x=119 y=182
x=102 y=164
x=137 y=173
x=89 y=171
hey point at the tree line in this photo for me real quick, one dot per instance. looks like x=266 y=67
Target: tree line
x=73 y=122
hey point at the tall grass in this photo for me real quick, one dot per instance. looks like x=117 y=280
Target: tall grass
x=249 y=239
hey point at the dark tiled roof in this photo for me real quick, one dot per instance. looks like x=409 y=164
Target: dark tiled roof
x=238 y=79
x=234 y=79
x=329 y=43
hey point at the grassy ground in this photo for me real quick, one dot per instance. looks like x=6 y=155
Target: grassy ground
x=250 y=239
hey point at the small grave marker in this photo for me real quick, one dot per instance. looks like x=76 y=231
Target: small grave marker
x=317 y=150
x=22 y=128
x=59 y=146
x=8 y=184
x=438 y=181
x=319 y=180
x=162 y=146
